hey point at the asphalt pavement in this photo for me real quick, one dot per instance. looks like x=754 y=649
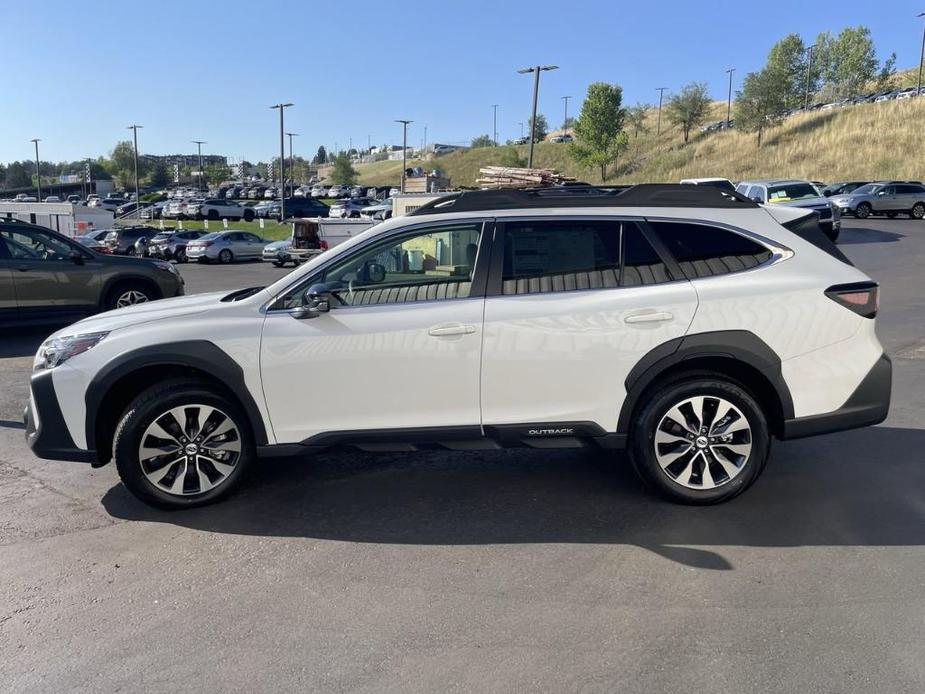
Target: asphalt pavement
x=491 y=571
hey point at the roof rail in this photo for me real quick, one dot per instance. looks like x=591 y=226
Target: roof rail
x=639 y=195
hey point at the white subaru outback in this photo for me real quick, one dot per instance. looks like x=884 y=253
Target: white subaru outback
x=686 y=324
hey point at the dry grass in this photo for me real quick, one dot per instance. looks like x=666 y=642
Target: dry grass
x=864 y=141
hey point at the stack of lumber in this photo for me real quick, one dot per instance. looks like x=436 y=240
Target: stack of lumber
x=511 y=177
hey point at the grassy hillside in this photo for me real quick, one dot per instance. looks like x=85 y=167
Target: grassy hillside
x=865 y=141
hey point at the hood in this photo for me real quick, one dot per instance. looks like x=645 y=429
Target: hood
x=143 y=313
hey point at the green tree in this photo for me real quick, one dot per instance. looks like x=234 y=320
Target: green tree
x=321 y=157
x=689 y=109
x=122 y=163
x=636 y=118
x=160 y=177
x=599 y=129
x=542 y=127
x=343 y=172
x=761 y=101
x=847 y=62
x=886 y=76
x=217 y=173
x=17 y=176
x=787 y=60
x=482 y=141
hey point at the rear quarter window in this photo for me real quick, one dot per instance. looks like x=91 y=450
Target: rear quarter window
x=703 y=250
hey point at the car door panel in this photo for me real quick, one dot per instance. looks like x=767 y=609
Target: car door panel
x=563 y=355
x=8 y=307
x=397 y=353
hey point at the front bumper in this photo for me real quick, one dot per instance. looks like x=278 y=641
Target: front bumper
x=46 y=432
x=869 y=404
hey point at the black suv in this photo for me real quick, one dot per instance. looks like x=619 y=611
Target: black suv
x=46 y=277
x=305 y=207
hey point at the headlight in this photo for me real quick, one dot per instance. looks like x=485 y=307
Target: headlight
x=165 y=266
x=57 y=350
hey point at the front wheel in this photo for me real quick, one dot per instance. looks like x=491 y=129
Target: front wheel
x=248 y=216
x=182 y=443
x=918 y=210
x=700 y=440
x=128 y=294
x=863 y=211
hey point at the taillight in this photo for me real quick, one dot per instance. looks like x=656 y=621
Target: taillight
x=861 y=297
x=206 y=243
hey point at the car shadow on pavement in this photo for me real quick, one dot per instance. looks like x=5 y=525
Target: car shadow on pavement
x=23 y=342
x=858 y=488
x=855 y=235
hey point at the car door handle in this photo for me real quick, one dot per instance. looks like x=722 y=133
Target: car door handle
x=452 y=329
x=648 y=317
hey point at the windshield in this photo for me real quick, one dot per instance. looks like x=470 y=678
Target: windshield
x=791 y=191
x=868 y=189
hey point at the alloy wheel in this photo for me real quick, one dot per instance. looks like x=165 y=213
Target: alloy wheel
x=918 y=210
x=703 y=442
x=130 y=298
x=190 y=449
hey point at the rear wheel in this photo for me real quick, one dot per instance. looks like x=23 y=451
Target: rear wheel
x=182 y=444
x=918 y=210
x=213 y=215
x=248 y=215
x=225 y=256
x=863 y=211
x=700 y=440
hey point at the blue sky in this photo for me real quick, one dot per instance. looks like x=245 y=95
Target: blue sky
x=76 y=75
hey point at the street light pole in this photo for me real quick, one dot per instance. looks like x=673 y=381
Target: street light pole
x=404 y=150
x=809 y=71
x=134 y=129
x=291 y=160
x=199 y=144
x=520 y=123
x=661 y=94
x=729 y=98
x=282 y=161
x=565 y=120
x=536 y=91
x=494 y=124
x=38 y=173
x=918 y=89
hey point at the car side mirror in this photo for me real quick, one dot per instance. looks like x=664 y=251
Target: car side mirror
x=316 y=300
x=76 y=257
x=375 y=273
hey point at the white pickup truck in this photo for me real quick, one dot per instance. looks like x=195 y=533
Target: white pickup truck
x=311 y=237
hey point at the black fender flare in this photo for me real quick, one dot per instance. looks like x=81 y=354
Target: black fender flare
x=737 y=345
x=201 y=355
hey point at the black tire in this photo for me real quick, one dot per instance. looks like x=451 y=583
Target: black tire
x=213 y=215
x=225 y=256
x=891 y=215
x=180 y=255
x=248 y=215
x=130 y=250
x=150 y=405
x=277 y=263
x=662 y=399
x=918 y=211
x=121 y=289
x=863 y=210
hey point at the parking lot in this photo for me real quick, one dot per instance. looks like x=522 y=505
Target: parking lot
x=511 y=570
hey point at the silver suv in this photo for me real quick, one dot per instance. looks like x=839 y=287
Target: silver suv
x=795 y=193
x=884 y=197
